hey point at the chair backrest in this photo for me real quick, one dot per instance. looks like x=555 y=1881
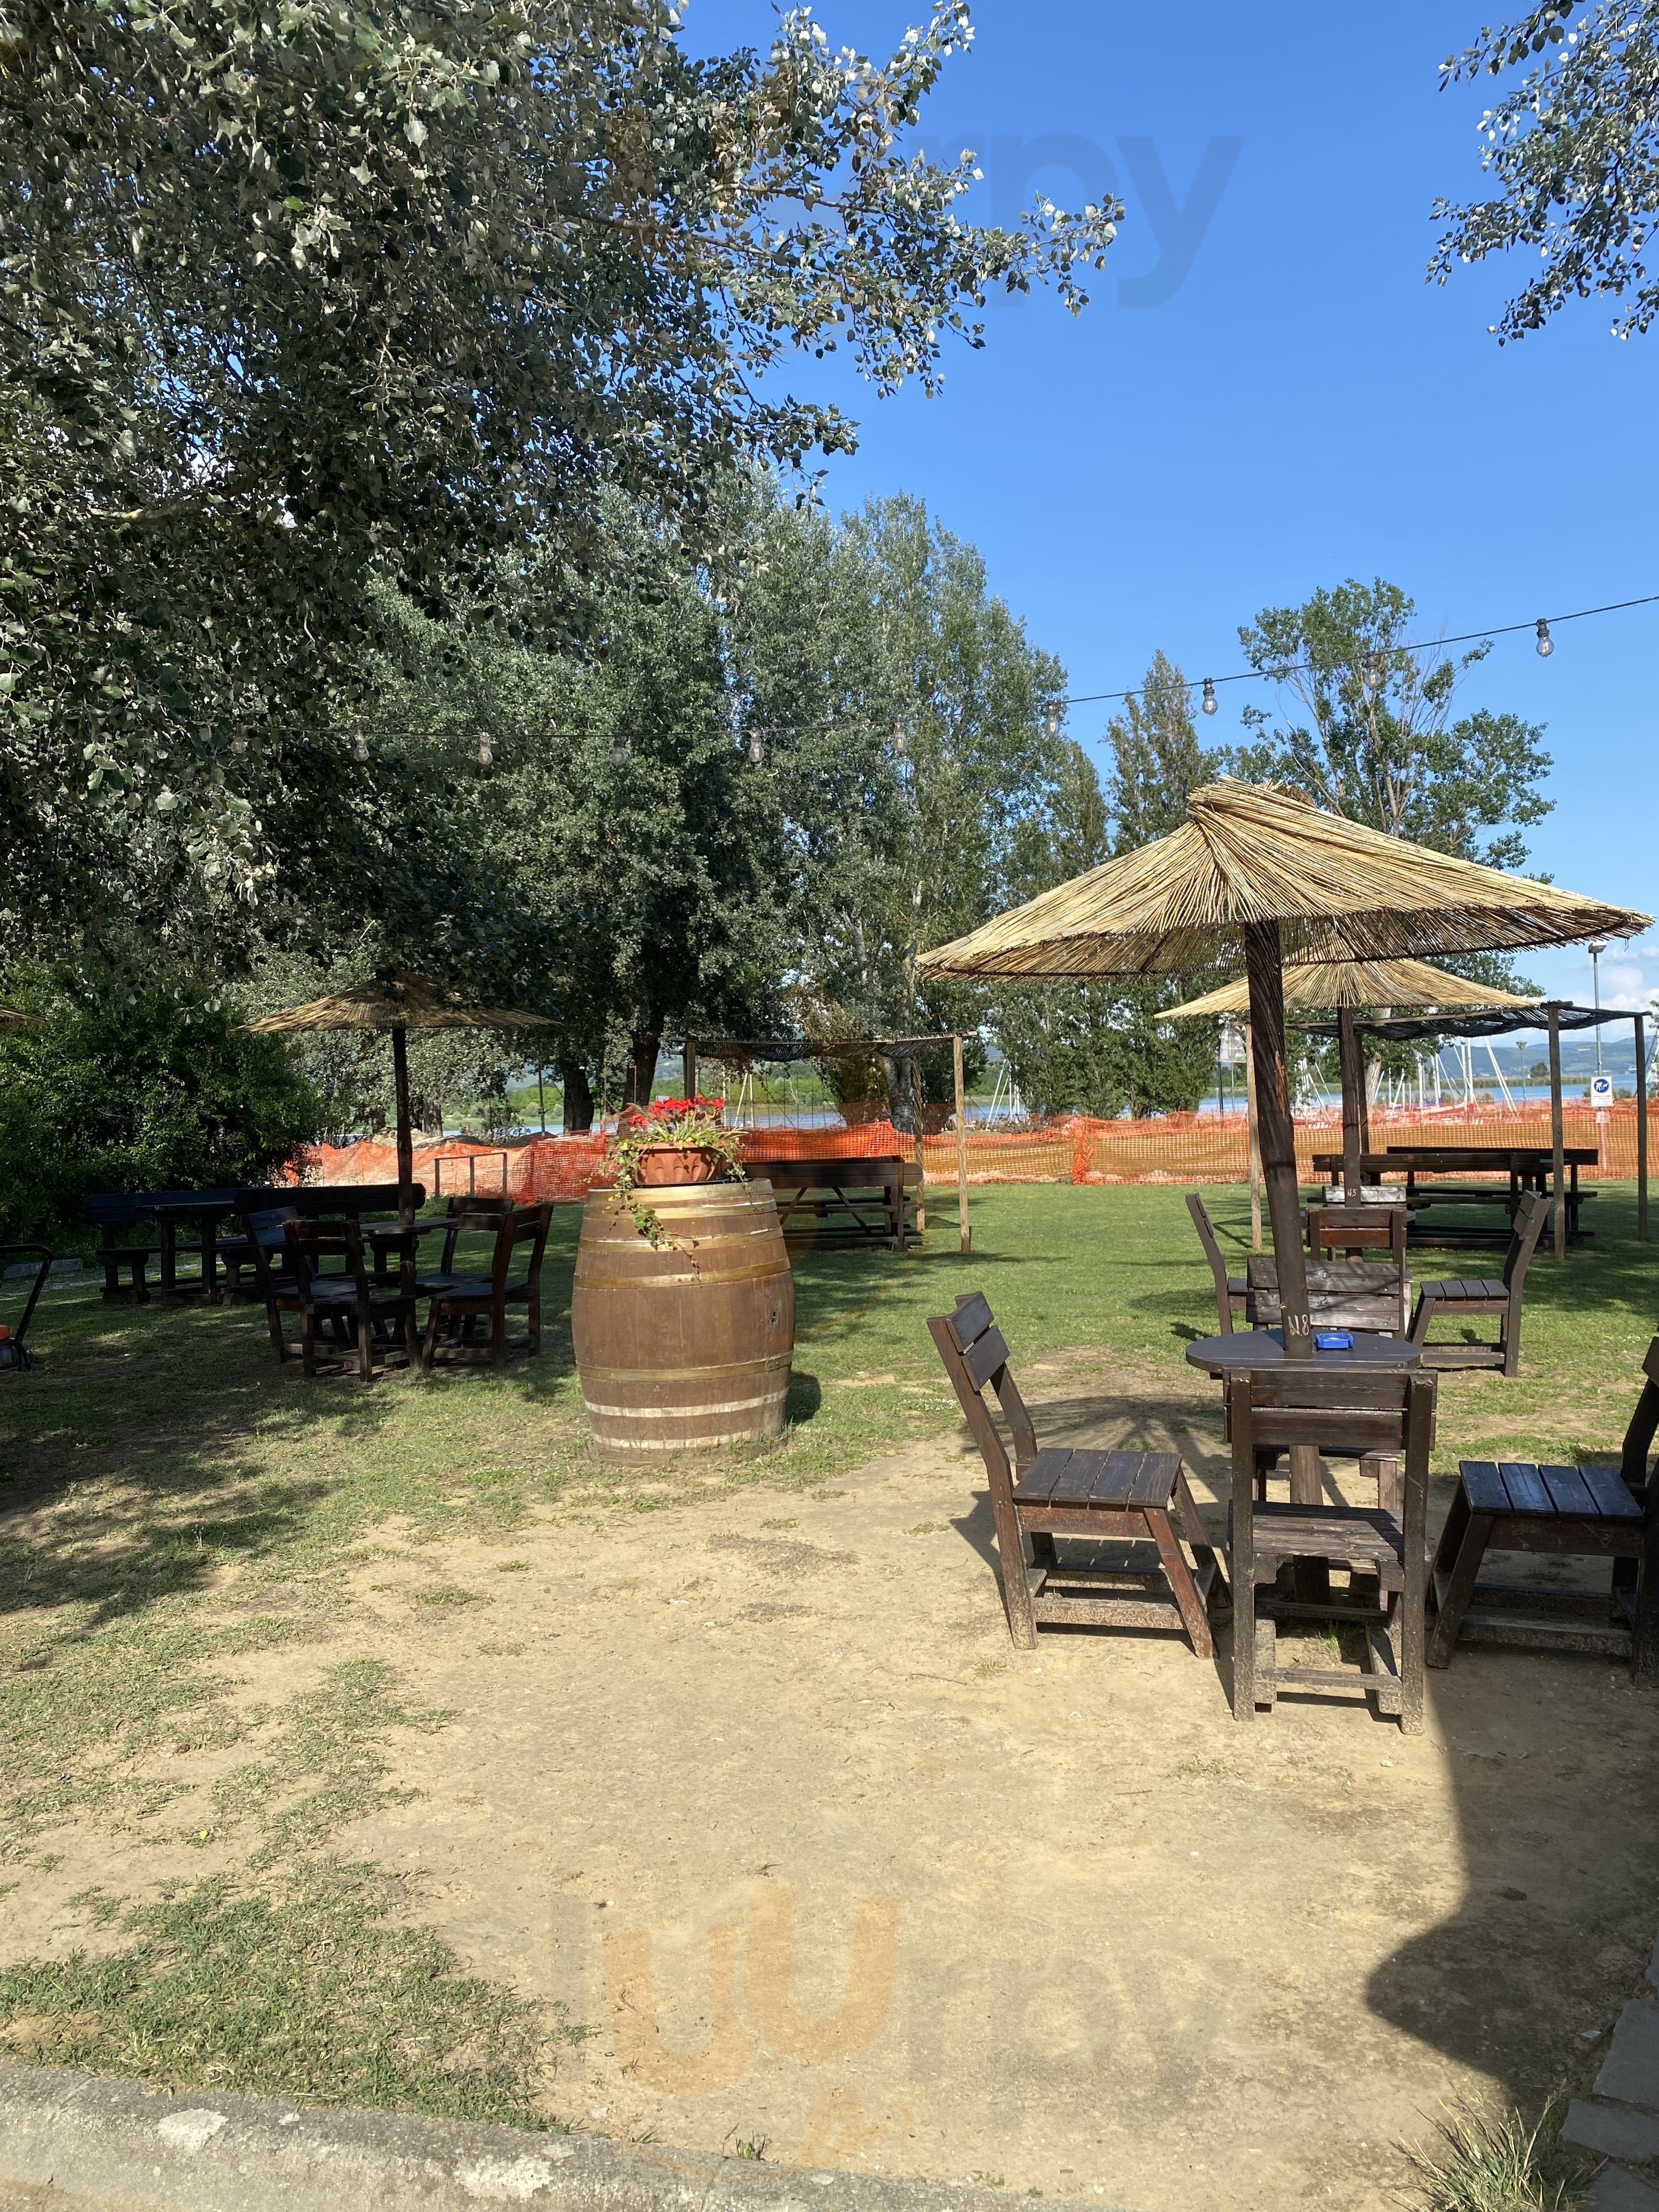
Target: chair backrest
x=1327 y=1222
x=472 y=1212
x=521 y=1225
x=1643 y=1426
x=1530 y=1215
x=1384 y=1411
x=971 y=1346
x=309 y=1242
x=1218 y=1266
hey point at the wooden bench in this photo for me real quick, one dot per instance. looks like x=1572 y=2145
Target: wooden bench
x=114 y=1211
x=844 y=1202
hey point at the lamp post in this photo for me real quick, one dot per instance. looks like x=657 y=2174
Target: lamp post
x=1598 y=945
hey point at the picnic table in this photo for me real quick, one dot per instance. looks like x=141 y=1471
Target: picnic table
x=844 y=1202
x=1525 y=1167
x=202 y=1210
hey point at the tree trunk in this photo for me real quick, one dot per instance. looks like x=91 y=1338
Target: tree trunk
x=642 y=1066
x=578 y=1098
x=901 y=1103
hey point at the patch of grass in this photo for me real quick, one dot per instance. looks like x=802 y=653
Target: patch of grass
x=1493 y=2162
x=313 y=1991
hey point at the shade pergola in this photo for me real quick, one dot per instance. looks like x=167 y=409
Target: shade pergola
x=1260 y=867
x=1342 y=987
x=398 y=1002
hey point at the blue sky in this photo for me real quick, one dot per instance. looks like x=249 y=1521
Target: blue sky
x=1302 y=407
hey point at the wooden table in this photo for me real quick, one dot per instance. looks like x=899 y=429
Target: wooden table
x=847 y=1201
x=203 y=1210
x=1526 y=1167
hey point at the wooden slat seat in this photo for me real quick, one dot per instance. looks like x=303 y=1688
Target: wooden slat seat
x=1588 y=1512
x=1128 y=1498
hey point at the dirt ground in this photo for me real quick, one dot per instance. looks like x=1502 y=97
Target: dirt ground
x=759 y=1790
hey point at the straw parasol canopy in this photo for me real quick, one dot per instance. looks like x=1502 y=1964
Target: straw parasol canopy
x=1338 y=987
x=1261 y=864
x=12 y=1019
x=1336 y=984
x=399 y=1002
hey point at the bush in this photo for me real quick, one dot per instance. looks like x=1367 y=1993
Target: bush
x=158 y=1093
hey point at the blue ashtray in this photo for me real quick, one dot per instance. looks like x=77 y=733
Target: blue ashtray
x=1333 y=1339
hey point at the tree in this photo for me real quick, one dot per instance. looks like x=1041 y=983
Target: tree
x=1102 y=1048
x=1574 y=149
x=294 y=300
x=913 y=805
x=1379 y=744
x=145 y=1091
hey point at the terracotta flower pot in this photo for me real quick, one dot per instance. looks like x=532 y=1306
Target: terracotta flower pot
x=674 y=1163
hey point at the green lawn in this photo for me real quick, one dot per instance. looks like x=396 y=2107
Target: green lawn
x=159 y=1465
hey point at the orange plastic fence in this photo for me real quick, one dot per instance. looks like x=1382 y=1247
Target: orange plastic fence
x=1175 y=1148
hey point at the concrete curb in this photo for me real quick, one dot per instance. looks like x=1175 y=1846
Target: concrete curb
x=130 y=2145
x=1619 y=2119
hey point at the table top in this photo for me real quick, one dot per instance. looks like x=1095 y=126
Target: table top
x=1249 y=1349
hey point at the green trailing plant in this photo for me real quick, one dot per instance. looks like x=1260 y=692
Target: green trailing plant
x=671 y=1124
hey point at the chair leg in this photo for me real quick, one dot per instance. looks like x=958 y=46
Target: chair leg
x=1016 y=1591
x=1383 y=1470
x=1510 y=1338
x=1469 y=1532
x=498 y=1336
x=1421 y=1318
x=1192 y=1528
x=533 y=1323
x=428 y=1349
x=365 y=1348
x=1182 y=1588
x=308 y=1341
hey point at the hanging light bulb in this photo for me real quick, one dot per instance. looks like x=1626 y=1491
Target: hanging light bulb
x=756 y=748
x=901 y=736
x=1208 y=700
x=1054 y=723
x=1371 y=669
x=239 y=743
x=1545 y=642
x=360 y=747
x=486 y=751
x=619 y=750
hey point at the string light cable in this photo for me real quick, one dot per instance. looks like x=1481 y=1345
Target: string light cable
x=751 y=739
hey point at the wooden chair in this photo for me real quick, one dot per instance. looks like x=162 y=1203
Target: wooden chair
x=1100 y=1495
x=360 y=1313
x=1391 y=1414
x=1230 y=1291
x=468 y=1298
x=1593 y=1512
x=1457 y=1298
x=1353 y=1230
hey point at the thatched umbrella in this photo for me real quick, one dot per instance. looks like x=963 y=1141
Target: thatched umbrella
x=1262 y=864
x=1340 y=986
x=11 y=1018
x=398 y=1002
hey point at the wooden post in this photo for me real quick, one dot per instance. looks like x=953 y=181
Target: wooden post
x=1556 y=1139
x=688 y=1067
x=1255 y=1138
x=1640 y=1127
x=405 y=1133
x=1354 y=1085
x=922 y=1157
x=541 y=1096
x=961 y=1145
x=1264 y=966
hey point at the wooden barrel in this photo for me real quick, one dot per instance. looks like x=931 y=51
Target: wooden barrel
x=683 y=1345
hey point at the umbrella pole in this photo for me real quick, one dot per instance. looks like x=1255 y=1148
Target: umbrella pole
x=1353 y=1092
x=1255 y=1129
x=1264 y=966
x=405 y=1135
x=1557 y=1147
